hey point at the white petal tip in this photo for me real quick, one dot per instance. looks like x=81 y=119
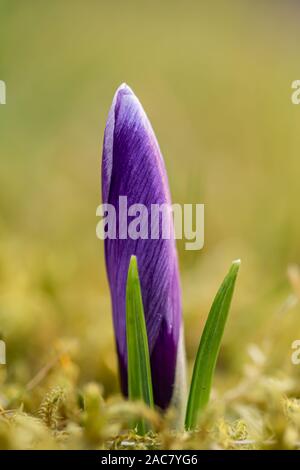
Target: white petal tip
x=236 y=261
x=124 y=86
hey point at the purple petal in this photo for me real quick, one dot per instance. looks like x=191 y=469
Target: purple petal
x=133 y=166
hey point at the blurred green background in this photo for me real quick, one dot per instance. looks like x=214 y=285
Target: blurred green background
x=215 y=79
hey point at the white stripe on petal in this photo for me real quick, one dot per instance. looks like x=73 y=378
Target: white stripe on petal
x=109 y=145
x=179 y=397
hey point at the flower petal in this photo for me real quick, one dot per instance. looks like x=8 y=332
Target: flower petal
x=133 y=166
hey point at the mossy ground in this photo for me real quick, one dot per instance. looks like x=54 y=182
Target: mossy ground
x=53 y=412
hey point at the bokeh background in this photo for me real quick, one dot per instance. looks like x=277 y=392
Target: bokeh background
x=215 y=80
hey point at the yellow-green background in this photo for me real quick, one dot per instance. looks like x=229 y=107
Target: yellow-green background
x=215 y=79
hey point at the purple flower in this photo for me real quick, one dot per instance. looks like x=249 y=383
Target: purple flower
x=133 y=166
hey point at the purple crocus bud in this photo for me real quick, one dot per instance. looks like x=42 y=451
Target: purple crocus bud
x=133 y=166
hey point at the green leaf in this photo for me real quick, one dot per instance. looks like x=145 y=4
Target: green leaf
x=139 y=371
x=209 y=348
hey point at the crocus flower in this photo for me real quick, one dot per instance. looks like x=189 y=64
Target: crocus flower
x=133 y=166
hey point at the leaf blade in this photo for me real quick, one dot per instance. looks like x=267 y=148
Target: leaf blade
x=139 y=370
x=209 y=348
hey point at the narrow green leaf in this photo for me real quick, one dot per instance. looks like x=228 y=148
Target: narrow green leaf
x=209 y=348
x=139 y=371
